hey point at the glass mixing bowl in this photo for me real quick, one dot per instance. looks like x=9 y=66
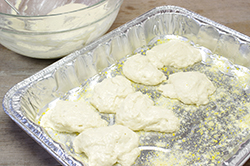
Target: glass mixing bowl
x=52 y=29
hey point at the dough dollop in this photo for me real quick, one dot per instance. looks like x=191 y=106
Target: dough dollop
x=106 y=146
x=176 y=53
x=139 y=69
x=188 y=87
x=72 y=116
x=138 y=112
x=109 y=93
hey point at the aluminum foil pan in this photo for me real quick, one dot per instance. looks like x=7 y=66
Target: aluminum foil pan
x=215 y=134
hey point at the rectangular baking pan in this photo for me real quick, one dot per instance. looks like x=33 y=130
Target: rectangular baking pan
x=22 y=102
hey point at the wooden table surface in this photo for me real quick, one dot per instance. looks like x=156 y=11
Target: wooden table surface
x=17 y=148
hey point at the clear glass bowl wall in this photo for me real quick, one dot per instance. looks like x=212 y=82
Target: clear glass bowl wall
x=53 y=36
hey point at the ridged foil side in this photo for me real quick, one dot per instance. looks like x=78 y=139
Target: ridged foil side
x=23 y=102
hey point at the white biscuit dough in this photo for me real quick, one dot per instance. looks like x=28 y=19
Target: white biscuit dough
x=67 y=8
x=188 y=87
x=139 y=69
x=106 y=146
x=109 y=93
x=72 y=116
x=176 y=53
x=48 y=24
x=138 y=112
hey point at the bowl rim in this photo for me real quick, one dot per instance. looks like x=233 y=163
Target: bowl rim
x=58 y=14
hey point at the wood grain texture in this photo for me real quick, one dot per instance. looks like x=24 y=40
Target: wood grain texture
x=17 y=148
